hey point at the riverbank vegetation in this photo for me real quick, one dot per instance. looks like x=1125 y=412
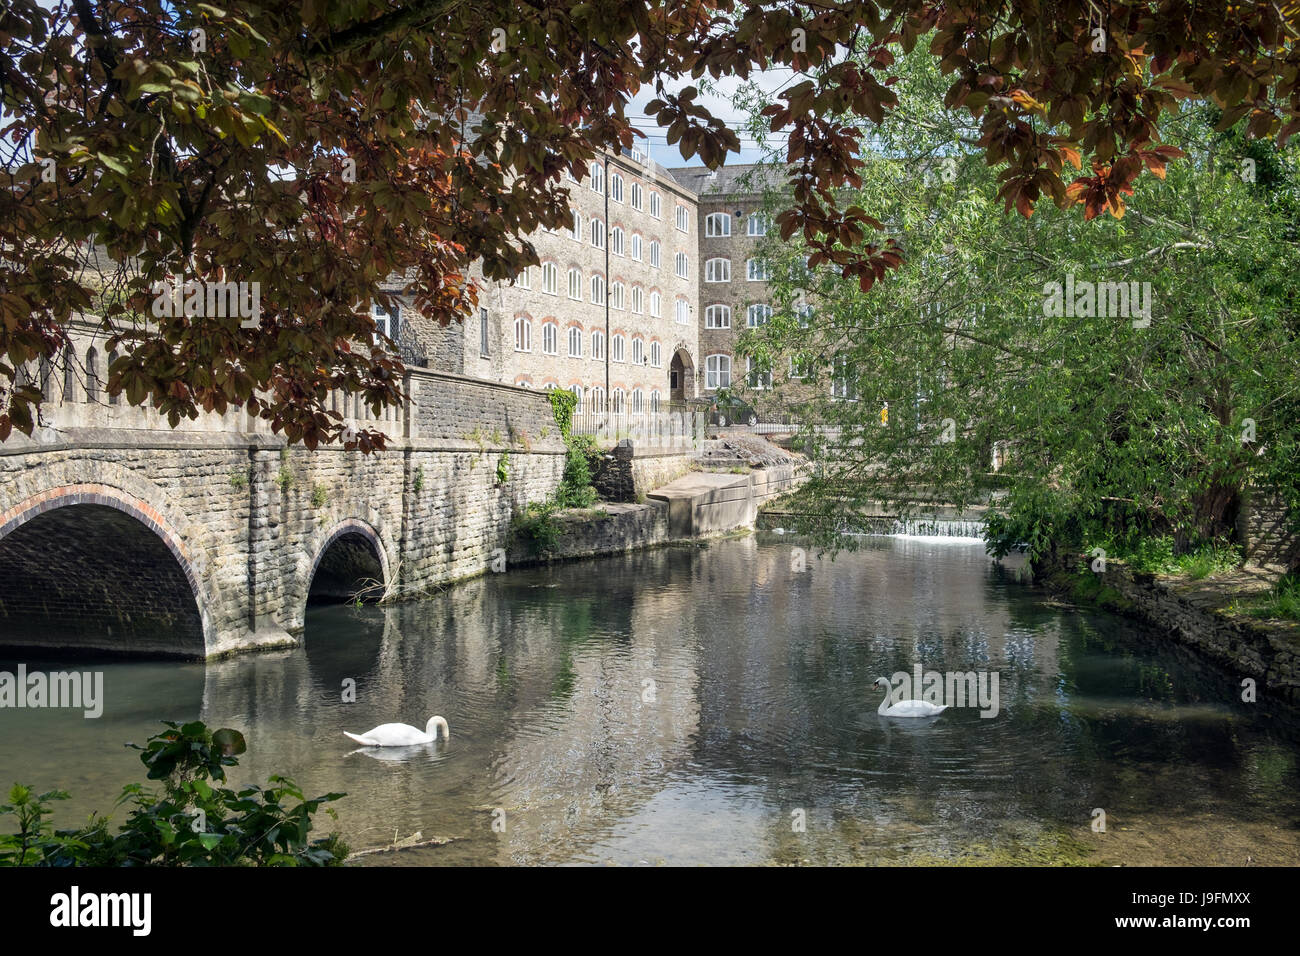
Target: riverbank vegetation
x=190 y=821
x=1135 y=415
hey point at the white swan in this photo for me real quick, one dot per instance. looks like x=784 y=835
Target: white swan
x=906 y=708
x=402 y=735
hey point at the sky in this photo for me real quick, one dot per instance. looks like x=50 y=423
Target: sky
x=719 y=104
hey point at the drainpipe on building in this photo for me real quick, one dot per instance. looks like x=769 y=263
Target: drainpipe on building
x=609 y=399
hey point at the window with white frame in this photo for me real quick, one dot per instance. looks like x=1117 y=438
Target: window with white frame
x=654 y=253
x=683 y=218
x=572 y=178
x=757 y=224
x=484 y=336
x=757 y=315
x=617 y=347
x=683 y=312
x=638 y=350
x=717 y=371
x=636 y=247
x=524 y=280
x=597 y=172
x=717 y=224
x=576 y=391
x=655 y=400
x=717 y=317
x=756 y=270
x=598 y=346
x=638 y=299
x=804 y=313
x=681 y=265
x=577 y=226
x=800 y=366
x=575 y=342
x=386 y=323
x=655 y=205
x=844 y=383
x=717 y=270
x=598 y=233
x=550 y=338
x=616 y=295
x=656 y=355
x=598 y=290
x=615 y=187
x=756 y=375
x=550 y=278
x=638 y=401
x=656 y=305
x=617 y=404
x=596 y=398
x=616 y=240
x=636 y=195
x=575 y=284
x=523 y=334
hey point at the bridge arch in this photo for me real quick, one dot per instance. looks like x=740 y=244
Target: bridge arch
x=350 y=556
x=100 y=570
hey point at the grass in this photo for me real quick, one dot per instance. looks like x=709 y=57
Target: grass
x=1156 y=556
x=1281 y=603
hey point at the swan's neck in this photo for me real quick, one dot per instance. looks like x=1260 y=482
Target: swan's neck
x=884 y=703
x=431 y=728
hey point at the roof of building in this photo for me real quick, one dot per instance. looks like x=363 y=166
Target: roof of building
x=743 y=179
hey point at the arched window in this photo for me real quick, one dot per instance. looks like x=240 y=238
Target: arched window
x=616 y=295
x=636 y=246
x=717 y=270
x=757 y=376
x=598 y=345
x=575 y=284
x=756 y=270
x=757 y=315
x=597 y=173
x=550 y=338
x=656 y=355
x=638 y=299
x=616 y=354
x=616 y=240
x=654 y=253
x=683 y=218
x=682 y=265
x=598 y=290
x=638 y=401
x=656 y=305
x=717 y=317
x=717 y=224
x=638 y=350
x=576 y=391
x=550 y=278
x=596 y=398
x=108 y=368
x=616 y=187
x=69 y=374
x=683 y=312
x=717 y=371
x=598 y=233
x=618 y=401
x=577 y=226
x=655 y=401
x=636 y=195
x=575 y=342
x=757 y=224
x=92 y=375
x=523 y=334
x=655 y=205
x=524 y=280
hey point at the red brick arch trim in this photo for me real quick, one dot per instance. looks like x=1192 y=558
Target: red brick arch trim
x=98 y=494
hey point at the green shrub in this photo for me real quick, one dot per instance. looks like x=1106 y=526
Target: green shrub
x=539 y=527
x=188 y=822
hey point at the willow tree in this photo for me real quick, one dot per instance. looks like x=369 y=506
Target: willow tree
x=315 y=148
x=1133 y=372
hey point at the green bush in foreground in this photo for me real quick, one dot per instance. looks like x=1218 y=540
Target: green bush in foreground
x=189 y=822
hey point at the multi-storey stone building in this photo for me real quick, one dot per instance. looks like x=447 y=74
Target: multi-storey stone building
x=641 y=302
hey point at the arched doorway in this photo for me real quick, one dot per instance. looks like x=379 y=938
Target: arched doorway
x=681 y=377
x=94 y=577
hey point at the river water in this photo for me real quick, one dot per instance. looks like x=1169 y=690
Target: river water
x=713 y=704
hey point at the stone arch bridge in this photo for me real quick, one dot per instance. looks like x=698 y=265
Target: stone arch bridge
x=119 y=534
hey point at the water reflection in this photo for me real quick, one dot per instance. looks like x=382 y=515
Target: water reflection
x=694 y=704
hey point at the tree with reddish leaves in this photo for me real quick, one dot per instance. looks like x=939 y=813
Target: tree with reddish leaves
x=317 y=148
